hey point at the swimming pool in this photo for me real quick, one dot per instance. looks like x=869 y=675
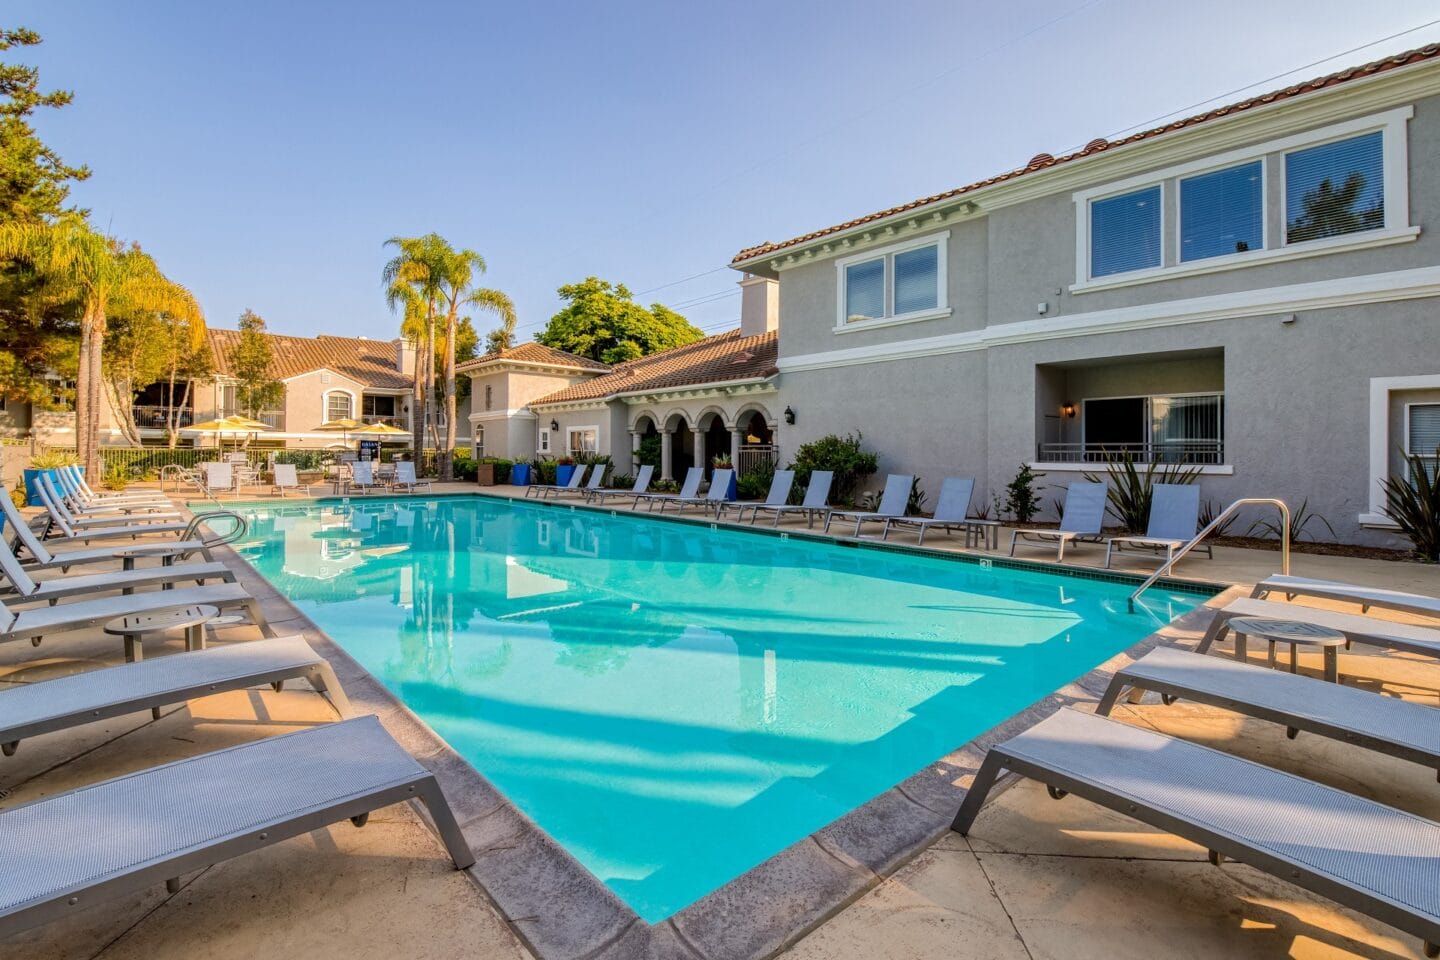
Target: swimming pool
x=671 y=703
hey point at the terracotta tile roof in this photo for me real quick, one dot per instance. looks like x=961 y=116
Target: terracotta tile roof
x=533 y=352
x=724 y=358
x=1044 y=161
x=371 y=362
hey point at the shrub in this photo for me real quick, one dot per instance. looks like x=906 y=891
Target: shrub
x=915 y=505
x=462 y=467
x=1300 y=518
x=17 y=496
x=754 y=483
x=1020 y=503
x=620 y=481
x=53 y=460
x=543 y=470
x=303 y=460
x=721 y=461
x=1209 y=510
x=844 y=456
x=1413 y=502
x=116 y=477
x=650 y=449
x=1131 y=491
x=666 y=486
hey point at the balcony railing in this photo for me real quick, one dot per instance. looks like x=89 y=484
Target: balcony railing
x=399 y=422
x=156 y=416
x=1194 y=452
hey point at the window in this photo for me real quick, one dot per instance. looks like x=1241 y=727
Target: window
x=377 y=406
x=488 y=389
x=1335 y=188
x=479 y=441
x=1422 y=435
x=1125 y=232
x=1222 y=212
x=544 y=444
x=1158 y=429
x=583 y=440
x=865 y=290
x=902 y=282
x=338 y=406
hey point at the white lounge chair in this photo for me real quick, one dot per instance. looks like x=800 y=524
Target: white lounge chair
x=362 y=477
x=777 y=496
x=39 y=622
x=1173 y=521
x=218 y=478
x=641 y=484
x=543 y=490
x=50 y=554
x=1371 y=631
x=80 y=496
x=32 y=709
x=74 y=478
x=951 y=510
x=124 y=835
x=815 y=503
x=892 y=504
x=288 y=478
x=1366 y=597
x=688 y=490
x=73 y=531
x=23 y=589
x=1083 y=518
x=405 y=477
x=102 y=517
x=715 y=494
x=1380 y=861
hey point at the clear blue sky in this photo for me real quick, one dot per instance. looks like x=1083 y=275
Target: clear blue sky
x=263 y=151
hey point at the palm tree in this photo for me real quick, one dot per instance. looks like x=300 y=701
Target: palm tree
x=460 y=269
x=412 y=280
x=100 y=271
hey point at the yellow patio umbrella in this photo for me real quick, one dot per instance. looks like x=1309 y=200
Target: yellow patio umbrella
x=382 y=430
x=343 y=426
x=231 y=424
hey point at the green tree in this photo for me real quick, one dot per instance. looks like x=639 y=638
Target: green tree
x=1328 y=211
x=251 y=362
x=459 y=270
x=502 y=337
x=34 y=181
x=412 y=280
x=602 y=321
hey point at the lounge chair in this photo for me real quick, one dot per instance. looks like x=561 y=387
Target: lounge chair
x=362 y=477
x=71 y=529
x=597 y=477
x=951 y=510
x=815 y=504
x=715 y=494
x=217 y=478
x=124 y=835
x=24 y=589
x=1366 y=597
x=46 y=555
x=32 y=709
x=777 y=496
x=80 y=496
x=688 y=490
x=97 y=518
x=1174 y=518
x=405 y=477
x=1082 y=519
x=892 y=504
x=641 y=484
x=287 y=478
x=74 y=477
x=1357 y=629
x=1400 y=728
x=1377 y=860
x=39 y=622
x=543 y=490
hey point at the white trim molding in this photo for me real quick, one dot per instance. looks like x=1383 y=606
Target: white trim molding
x=1380 y=442
x=940 y=240
x=1411 y=284
x=1271 y=154
x=521 y=413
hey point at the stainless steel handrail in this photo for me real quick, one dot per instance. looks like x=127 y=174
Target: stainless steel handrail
x=1210 y=528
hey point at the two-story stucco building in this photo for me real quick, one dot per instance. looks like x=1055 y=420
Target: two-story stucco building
x=1255 y=291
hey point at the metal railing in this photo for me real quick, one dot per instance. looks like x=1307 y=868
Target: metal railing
x=1214 y=525
x=400 y=422
x=753 y=455
x=157 y=417
x=1165 y=451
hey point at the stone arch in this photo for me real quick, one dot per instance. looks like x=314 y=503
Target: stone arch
x=637 y=422
x=713 y=411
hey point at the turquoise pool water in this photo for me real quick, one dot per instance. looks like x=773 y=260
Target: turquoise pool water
x=675 y=705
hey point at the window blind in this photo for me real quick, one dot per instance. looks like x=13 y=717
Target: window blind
x=1125 y=232
x=865 y=290
x=917 y=279
x=1222 y=212
x=1335 y=188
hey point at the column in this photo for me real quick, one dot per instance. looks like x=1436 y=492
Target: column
x=665 y=455
x=699 y=447
x=634 y=452
x=736 y=436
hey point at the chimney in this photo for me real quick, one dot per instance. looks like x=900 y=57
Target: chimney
x=404 y=356
x=759 y=306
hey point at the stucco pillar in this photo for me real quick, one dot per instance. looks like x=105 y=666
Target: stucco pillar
x=736 y=437
x=665 y=455
x=699 y=448
x=634 y=452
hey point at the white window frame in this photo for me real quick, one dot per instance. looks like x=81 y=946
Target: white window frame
x=330 y=393
x=542 y=442
x=1380 y=441
x=477 y=440
x=1265 y=240
x=581 y=429
x=942 y=299
x=1396 y=151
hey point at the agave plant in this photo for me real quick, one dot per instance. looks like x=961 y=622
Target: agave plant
x=1131 y=489
x=1413 y=502
x=1300 y=518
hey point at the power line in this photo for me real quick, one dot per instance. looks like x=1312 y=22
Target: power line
x=675 y=283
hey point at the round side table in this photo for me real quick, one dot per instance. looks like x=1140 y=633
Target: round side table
x=1295 y=633
x=136 y=627
x=165 y=551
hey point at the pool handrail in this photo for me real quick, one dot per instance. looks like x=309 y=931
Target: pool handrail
x=1210 y=528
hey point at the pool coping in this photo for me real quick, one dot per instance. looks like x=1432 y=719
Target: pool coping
x=558 y=909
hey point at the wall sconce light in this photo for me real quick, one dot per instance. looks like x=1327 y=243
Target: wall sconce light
x=555 y=425
x=789 y=415
x=1068 y=409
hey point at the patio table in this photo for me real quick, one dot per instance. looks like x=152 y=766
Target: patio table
x=1293 y=632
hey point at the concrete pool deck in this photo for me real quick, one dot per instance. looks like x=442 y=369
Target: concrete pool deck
x=1037 y=878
